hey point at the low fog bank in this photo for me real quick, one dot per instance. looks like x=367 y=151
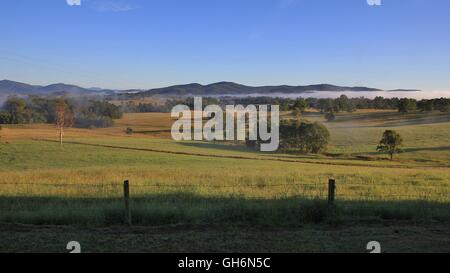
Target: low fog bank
x=386 y=94
x=353 y=94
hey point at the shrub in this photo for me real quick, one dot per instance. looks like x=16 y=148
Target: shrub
x=330 y=116
x=5 y=118
x=129 y=131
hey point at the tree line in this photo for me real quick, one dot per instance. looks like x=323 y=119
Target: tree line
x=84 y=113
x=166 y=107
x=299 y=105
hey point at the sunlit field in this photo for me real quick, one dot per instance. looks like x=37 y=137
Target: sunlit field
x=207 y=183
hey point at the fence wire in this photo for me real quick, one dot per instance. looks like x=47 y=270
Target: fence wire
x=222 y=186
x=314 y=187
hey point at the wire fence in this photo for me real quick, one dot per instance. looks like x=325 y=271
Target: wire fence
x=259 y=185
x=343 y=190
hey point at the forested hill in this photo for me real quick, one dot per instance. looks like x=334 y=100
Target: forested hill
x=221 y=88
x=231 y=88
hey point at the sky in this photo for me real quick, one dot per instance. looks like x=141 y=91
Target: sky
x=154 y=43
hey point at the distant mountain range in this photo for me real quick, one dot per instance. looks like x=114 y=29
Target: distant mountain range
x=231 y=88
x=17 y=88
x=221 y=88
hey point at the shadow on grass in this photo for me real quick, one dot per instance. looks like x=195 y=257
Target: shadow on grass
x=191 y=208
x=150 y=132
x=418 y=121
x=368 y=116
x=219 y=146
x=394 y=119
x=242 y=148
x=406 y=150
x=440 y=148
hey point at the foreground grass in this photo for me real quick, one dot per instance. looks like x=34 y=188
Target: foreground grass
x=164 y=209
x=394 y=236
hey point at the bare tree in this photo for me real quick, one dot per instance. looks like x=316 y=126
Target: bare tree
x=63 y=118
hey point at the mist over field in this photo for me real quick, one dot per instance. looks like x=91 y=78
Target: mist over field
x=353 y=94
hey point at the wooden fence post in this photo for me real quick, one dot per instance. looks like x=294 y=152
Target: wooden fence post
x=126 y=196
x=331 y=191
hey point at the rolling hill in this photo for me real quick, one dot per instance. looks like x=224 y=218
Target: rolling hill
x=8 y=87
x=231 y=88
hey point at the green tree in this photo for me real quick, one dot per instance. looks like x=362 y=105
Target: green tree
x=378 y=103
x=390 y=143
x=16 y=109
x=442 y=104
x=407 y=105
x=300 y=104
x=5 y=118
x=305 y=137
x=343 y=103
x=325 y=105
x=425 y=105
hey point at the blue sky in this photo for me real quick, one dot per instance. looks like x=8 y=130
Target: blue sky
x=154 y=43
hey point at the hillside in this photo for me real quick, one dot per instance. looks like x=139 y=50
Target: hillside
x=231 y=88
x=8 y=87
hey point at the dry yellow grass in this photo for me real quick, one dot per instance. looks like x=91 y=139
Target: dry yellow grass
x=143 y=125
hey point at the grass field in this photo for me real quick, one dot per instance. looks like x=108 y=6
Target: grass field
x=201 y=196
